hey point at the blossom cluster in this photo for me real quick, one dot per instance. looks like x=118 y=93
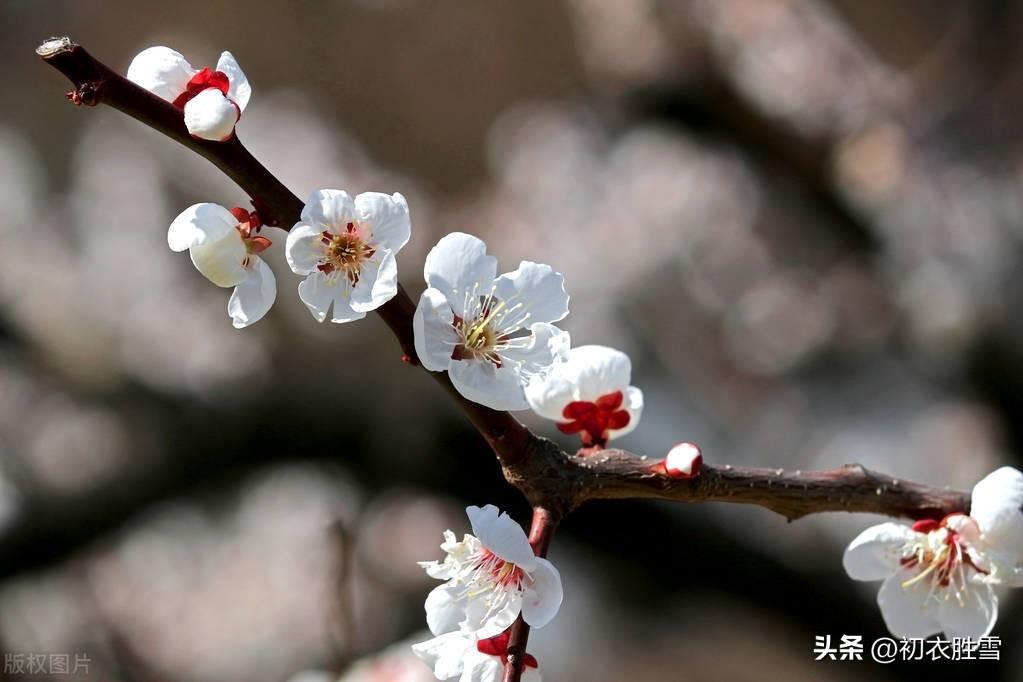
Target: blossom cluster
x=496 y=337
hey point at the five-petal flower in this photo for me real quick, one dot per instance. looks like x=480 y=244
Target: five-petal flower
x=347 y=249
x=224 y=245
x=491 y=576
x=212 y=100
x=491 y=334
x=462 y=655
x=589 y=394
x=939 y=575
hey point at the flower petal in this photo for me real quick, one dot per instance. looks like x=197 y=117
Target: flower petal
x=445 y=653
x=304 y=248
x=501 y=535
x=210 y=115
x=548 y=395
x=634 y=406
x=483 y=622
x=975 y=617
x=200 y=224
x=162 y=71
x=480 y=667
x=531 y=675
x=445 y=608
x=997 y=507
x=387 y=217
x=498 y=388
x=320 y=292
x=435 y=337
x=457 y=266
x=875 y=553
x=329 y=209
x=220 y=261
x=542 y=599
x=253 y=298
x=538 y=352
x=906 y=611
x=239 y=90
x=378 y=283
x=538 y=287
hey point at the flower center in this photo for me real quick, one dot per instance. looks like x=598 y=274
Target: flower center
x=593 y=420
x=498 y=646
x=345 y=253
x=942 y=556
x=487 y=328
x=248 y=227
x=207 y=78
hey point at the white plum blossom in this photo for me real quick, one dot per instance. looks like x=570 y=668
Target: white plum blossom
x=224 y=245
x=491 y=576
x=212 y=100
x=939 y=576
x=461 y=655
x=589 y=394
x=491 y=334
x=347 y=248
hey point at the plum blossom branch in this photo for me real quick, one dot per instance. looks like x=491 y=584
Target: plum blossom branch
x=549 y=477
x=540 y=534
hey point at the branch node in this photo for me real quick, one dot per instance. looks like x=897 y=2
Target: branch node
x=55 y=45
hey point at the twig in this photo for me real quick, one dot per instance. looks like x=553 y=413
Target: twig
x=540 y=533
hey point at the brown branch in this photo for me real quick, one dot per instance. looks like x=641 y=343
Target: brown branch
x=550 y=478
x=95 y=83
x=540 y=534
x=563 y=482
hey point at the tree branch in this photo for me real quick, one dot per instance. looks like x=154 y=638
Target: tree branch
x=540 y=534
x=554 y=481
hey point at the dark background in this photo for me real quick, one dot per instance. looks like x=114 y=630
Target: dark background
x=801 y=219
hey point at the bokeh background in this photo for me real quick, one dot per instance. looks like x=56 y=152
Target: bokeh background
x=803 y=219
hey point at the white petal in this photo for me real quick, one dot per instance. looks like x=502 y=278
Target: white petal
x=238 y=89
x=200 y=224
x=996 y=507
x=907 y=612
x=162 y=71
x=501 y=535
x=599 y=370
x=480 y=667
x=483 y=623
x=975 y=617
x=445 y=653
x=549 y=394
x=304 y=248
x=542 y=599
x=538 y=352
x=459 y=265
x=435 y=336
x=498 y=388
x=320 y=292
x=445 y=608
x=875 y=553
x=633 y=404
x=538 y=288
x=378 y=282
x=253 y=298
x=329 y=209
x=220 y=261
x=210 y=115
x=386 y=216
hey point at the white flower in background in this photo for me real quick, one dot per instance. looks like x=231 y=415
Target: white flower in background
x=490 y=577
x=491 y=334
x=224 y=245
x=461 y=655
x=347 y=249
x=589 y=394
x=939 y=575
x=212 y=100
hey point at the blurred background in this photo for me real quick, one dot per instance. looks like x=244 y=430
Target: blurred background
x=802 y=219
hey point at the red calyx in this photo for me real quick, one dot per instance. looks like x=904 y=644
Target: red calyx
x=593 y=420
x=926 y=525
x=498 y=646
x=203 y=80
